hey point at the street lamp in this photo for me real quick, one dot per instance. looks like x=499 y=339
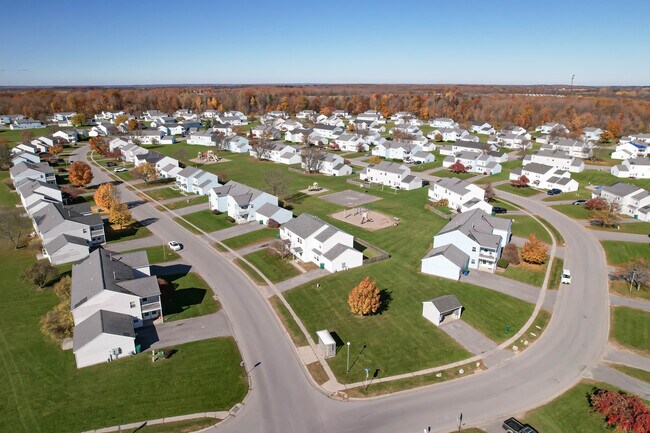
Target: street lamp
x=347 y=368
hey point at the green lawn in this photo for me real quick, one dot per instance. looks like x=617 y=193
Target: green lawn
x=418 y=168
x=13 y=135
x=524 y=225
x=529 y=275
x=204 y=220
x=7 y=196
x=158 y=254
x=448 y=173
x=237 y=242
x=619 y=253
x=556 y=273
x=134 y=231
x=192 y=297
x=190 y=201
x=633 y=372
x=164 y=193
x=574 y=211
x=631 y=328
x=250 y=272
x=570 y=412
x=621 y=287
x=290 y=324
x=637 y=228
x=44 y=392
x=558 y=236
x=188 y=426
x=274 y=268
x=524 y=192
x=125 y=175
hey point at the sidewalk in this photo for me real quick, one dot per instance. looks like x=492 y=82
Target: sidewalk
x=237 y=230
x=622 y=301
x=624 y=357
x=614 y=377
x=301 y=279
x=218 y=416
x=507 y=286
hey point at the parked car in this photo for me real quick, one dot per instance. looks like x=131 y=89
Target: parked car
x=119 y=170
x=566 y=277
x=512 y=425
x=111 y=164
x=175 y=246
x=554 y=191
x=499 y=209
x=579 y=202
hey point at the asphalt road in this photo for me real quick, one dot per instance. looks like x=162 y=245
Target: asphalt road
x=282 y=399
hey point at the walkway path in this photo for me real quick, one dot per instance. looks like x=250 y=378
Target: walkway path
x=134 y=426
x=603 y=373
x=468 y=337
x=624 y=357
x=184 y=331
x=508 y=286
x=237 y=230
x=135 y=244
x=603 y=235
x=301 y=279
x=191 y=209
x=622 y=301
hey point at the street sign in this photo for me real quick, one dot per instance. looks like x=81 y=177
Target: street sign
x=367 y=371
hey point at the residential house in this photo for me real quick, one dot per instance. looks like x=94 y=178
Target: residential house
x=546 y=177
x=637 y=138
x=449 y=134
x=243 y=203
x=423 y=157
x=265 y=132
x=437 y=309
x=145 y=136
x=332 y=165
x=630 y=149
x=327 y=131
x=361 y=124
x=556 y=158
x=193 y=180
x=103 y=130
x=211 y=114
x=281 y=153
x=372 y=116
x=632 y=200
x=298 y=135
x=28 y=148
x=28 y=157
x=313 y=240
x=223 y=129
x=391 y=174
x=474 y=162
x=289 y=125
x=591 y=133
x=10 y=118
x=235 y=144
x=104 y=336
x=70 y=135
x=117 y=143
x=482 y=128
x=26 y=124
x=405 y=128
x=392 y=149
x=443 y=122
x=203 y=138
x=110 y=115
x=477 y=235
x=638 y=168
x=512 y=140
x=185 y=114
x=332 y=121
x=575 y=148
x=307 y=114
x=130 y=151
x=64 y=118
x=151 y=115
x=343 y=114
x=40 y=171
x=460 y=195
x=351 y=143
x=549 y=127
x=34 y=194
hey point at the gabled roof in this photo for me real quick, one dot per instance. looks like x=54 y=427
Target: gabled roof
x=102 y=322
x=242 y=194
x=479 y=226
x=306 y=225
x=189 y=172
x=64 y=240
x=535 y=167
x=22 y=167
x=446 y=304
x=453 y=184
x=54 y=214
x=451 y=252
x=336 y=251
x=622 y=189
x=390 y=167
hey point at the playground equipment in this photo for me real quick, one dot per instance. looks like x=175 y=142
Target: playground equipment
x=314 y=187
x=208 y=156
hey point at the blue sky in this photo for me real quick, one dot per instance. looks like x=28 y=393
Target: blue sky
x=74 y=42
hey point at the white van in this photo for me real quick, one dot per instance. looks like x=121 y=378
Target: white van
x=566 y=277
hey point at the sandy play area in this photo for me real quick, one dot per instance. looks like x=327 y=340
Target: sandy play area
x=372 y=220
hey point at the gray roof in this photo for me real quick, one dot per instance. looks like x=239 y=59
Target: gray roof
x=326 y=234
x=53 y=214
x=242 y=194
x=63 y=240
x=22 y=167
x=639 y=161
x=622 y=189
x=102 y=322
x=453 y=184
x=189 y=172
x=305 y=225
x=336 y=251
x=390 y=167
x=268 y=209
x=538 y=168
x=553 y=153
x=478 y=225
x=450 y=252
x=103 y=270
x=446 y=303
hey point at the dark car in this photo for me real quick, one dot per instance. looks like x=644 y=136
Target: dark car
x=499 y=209
x=579 y=202
x=554 y=191
x=512 y=425
x=111 y=164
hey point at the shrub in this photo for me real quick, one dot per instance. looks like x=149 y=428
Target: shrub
x=440 y=203
x=511 y=254
x=503 y=263
x=216 y=212
x=40 y=273
x=534 y=251
x=63 y=287
x=272 y=224
x=58 y=323
x=365 y=298
x=230 y=219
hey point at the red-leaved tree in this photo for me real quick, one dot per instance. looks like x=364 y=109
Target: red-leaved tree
x=457 y=167
x=521 y=182
x=597 y=204
x=624 y=411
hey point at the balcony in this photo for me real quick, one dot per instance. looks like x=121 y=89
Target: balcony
x=151 y=306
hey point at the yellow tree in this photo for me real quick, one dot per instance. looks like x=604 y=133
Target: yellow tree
x=365 y=298
x=120 y=119
x=107 y=196
x=78 y=119
x=120 y=215
x=145 y=171
x=374 y=159
x=534 y=251
x=56 y=149
x=80 y=174
x=132 y=125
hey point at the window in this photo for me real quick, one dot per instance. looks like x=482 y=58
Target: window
x=473 y=261
x=474 y=249
x=132 y=304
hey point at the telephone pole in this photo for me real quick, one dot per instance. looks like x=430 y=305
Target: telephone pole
x=572 y=77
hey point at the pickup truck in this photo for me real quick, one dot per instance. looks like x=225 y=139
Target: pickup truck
x=512 y=425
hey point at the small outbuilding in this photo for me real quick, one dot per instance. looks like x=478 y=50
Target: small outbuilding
x=326 y=343
x=435 y=310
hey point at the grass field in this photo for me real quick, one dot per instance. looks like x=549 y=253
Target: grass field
x=524 y=225
x=7 y=196
x=274 y=268
x=190 y=201
x=419 y=168
x=524 y=192
x=44 y=392
x=637 y=228
x=163 y=193
x=237 y=242
x=250 y=272
x=574 y=211
x=529 y=274
x=633 y=372
x=570 y=412
x=192 y=297
x=621 y=287
x=620 y=253
x=188 y=426
x=204 y=220
x=556 y=273
x=449 y=173
x=13 y=135
x=631 y=328
x=134 y=231
x=158 y=254
x=290 y=324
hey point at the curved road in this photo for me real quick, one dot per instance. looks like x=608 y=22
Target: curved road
x=283 y=399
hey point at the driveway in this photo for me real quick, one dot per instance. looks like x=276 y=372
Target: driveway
x=508 y=286
x=237 y=230
x=183 y=331
x=625 y=357
x=622 y=301
x=606 y=374
x=471 y=339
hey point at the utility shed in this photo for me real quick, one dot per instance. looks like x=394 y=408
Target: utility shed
x=435 y=310
x=326 y=343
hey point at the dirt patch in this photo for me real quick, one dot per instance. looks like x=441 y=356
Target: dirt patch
x=350 y=198
x=317 y=372
x=366 y=219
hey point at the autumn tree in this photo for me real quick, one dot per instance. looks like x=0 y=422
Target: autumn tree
x=374 y=160
x=40 y=273
x=490 y=193
x=80 y=173
x=132 y=125
x=521 y=182
x=5 y=156
x=262 y=148
x=608 y=216
x=277 y=184
x=365 y=298
x=26 y=135
x=145 y=171
x=58 y=323
x=511 y=254
x=78 y=120
x=56 y=149
x=312 y=159
x=13 y=226
x=98 y=144
x=534 y=251
x=625 y=412
x=120 y=215
x=606 y=137
x=63 y=287
x=121 y=119
x=457 y=167
x=596 y=203
x=107 y=196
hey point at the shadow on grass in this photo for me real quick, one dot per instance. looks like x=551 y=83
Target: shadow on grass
x=385 y=298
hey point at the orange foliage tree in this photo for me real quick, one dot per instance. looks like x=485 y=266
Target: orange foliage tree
x=106 y=196
x=365 y=298
x=80 y=174
x=534 y=251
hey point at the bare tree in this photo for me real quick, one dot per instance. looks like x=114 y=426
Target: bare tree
x=609 y=216
x=262 y=148
x=637 y=273
x=13 y=226
x=282 y=247
x=313 y=159
x=277 y=184
x=490 y=194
